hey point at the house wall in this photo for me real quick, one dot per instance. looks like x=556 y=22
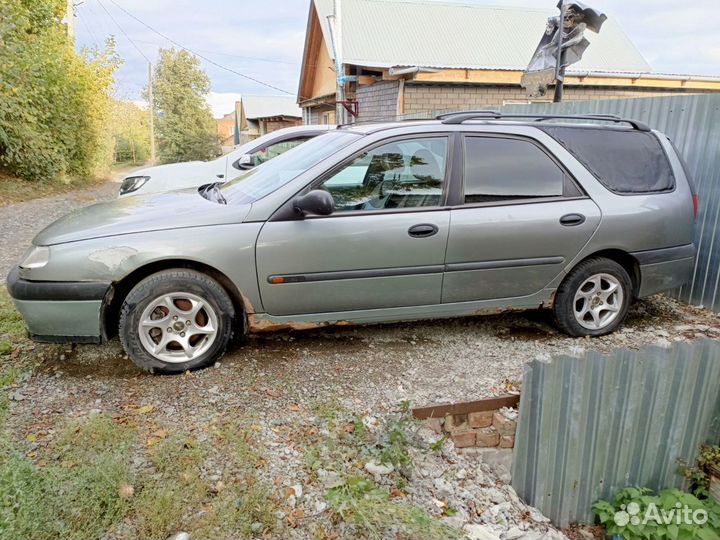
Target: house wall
x=226 y=130
x=268 y=126
x=259 y=127
x=319 y=114
x=377 y=101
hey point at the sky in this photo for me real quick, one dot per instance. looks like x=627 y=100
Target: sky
x=264 y=40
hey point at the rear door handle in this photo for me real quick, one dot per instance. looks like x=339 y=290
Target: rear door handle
x=570 y=220
x=423 y=230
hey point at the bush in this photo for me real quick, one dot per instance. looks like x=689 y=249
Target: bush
x=54 y=103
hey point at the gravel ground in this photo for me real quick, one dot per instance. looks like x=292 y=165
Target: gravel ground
x=19 y=223
x=281 y=379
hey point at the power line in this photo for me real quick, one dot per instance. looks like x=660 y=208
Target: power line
x=123 y=31
x=253 y=58
x=89 y=30
x=258 y=81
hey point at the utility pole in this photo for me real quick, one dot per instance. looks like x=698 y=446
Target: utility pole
x=151 y=111
x=70 y=19
x=560 y=63
x=334 y=26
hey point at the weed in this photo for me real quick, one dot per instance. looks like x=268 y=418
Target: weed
x=329 y=411
x=9 y=376
x=354 y=497
x=178 y=453
x=243 y=445
x=235 y=511
x=357 y=500
x=661 y=516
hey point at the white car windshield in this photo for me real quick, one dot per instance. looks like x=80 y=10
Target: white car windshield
x=272 y=175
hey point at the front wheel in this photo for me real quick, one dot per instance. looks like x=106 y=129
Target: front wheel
x=176 y=320
x=593 y=299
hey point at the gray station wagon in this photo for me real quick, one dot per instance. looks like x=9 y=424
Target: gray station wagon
x=471 y=213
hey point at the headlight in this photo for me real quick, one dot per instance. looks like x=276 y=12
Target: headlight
x=132 y=183
x=36 y=257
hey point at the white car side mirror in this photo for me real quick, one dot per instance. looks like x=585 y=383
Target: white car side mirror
x=246 y=161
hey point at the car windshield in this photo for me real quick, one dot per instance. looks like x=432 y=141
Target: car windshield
x=272 y=175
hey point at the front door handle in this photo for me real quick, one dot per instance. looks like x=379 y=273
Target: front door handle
x=571 y=220
x=423 y=230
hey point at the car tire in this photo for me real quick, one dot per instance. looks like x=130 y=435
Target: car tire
x=593 y=299
x=176 y=320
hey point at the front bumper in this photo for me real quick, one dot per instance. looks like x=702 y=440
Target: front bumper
x=60 y=311
x=665 y=269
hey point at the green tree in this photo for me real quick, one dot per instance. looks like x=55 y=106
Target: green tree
x=54 y=103
x=130 y=132
x=185 y=127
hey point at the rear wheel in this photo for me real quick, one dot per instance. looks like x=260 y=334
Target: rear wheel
x=594 y=298
x=176 y=320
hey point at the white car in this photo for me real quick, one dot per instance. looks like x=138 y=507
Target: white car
x=189 y=174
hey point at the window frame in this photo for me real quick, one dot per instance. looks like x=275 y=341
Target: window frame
x=450 y=169
x=569 y=181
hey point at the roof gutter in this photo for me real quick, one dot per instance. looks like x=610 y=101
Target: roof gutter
x=656 y=76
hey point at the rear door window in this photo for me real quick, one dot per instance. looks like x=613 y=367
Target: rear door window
x=502 y=169
x=624 y=161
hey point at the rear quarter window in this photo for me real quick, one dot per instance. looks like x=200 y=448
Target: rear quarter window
x=623 y=161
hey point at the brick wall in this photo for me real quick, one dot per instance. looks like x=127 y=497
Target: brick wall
x=440 y=97
x=377 y=101
x=481 y=429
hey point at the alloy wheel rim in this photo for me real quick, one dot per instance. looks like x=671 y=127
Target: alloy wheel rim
x=598 y=301
x=178 y=327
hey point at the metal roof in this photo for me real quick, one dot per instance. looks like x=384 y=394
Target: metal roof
x=387 y=33
x=268 y=106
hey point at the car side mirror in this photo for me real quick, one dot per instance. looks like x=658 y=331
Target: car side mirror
x=318 y=202
x=246 y=161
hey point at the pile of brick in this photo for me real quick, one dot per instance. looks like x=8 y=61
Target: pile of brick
x=481 y=429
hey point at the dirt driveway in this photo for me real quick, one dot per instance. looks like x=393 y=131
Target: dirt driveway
x=19 y=223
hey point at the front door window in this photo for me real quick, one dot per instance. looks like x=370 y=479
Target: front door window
x=401 y=174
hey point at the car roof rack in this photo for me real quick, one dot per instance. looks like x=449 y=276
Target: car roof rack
x=462 y=116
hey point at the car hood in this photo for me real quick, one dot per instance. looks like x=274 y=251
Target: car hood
x=143 y=213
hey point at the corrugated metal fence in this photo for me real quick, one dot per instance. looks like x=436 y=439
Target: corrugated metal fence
x=591 y=426
x=693 y=124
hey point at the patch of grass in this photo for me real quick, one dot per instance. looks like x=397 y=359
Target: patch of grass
x=12 y=326
x=162 y=505
x=329 y=410
x=353 y=497
x=236 y=509
x=74 y=496
x=243 y=445
x=359 y=501
x=246 y=500
x=8 y=377
x=14 y=190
